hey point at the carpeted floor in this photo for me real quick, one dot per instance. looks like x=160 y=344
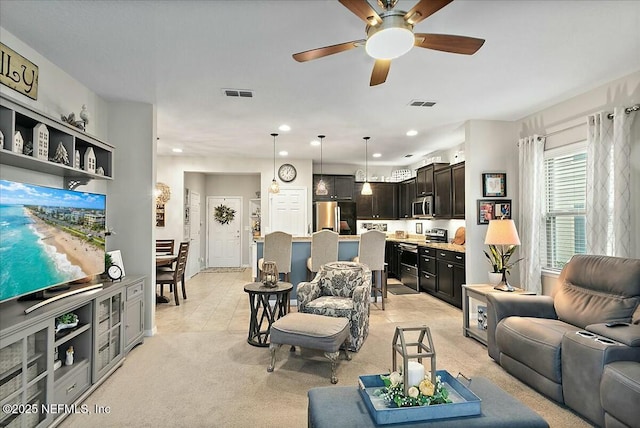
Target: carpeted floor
x=199 y=371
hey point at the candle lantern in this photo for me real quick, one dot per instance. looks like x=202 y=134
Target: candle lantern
x=413 y=371
x=270 y=274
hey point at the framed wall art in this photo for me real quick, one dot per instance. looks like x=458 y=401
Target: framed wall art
x=494 y=185
x=492 y=209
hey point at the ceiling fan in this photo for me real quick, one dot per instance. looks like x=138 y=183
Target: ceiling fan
x=390 y=35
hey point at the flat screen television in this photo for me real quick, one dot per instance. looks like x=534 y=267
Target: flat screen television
x=48 y=237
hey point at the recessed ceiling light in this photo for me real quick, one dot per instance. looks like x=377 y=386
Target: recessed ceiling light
x=283 y=153
x=412 y=133
x=377 y=155
x=284 y=127
x=176 y=150
x=315 y=142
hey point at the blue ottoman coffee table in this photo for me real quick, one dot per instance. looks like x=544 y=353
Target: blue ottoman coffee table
x=342 y=406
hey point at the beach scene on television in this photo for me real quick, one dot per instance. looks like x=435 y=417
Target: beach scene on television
x=48 y=237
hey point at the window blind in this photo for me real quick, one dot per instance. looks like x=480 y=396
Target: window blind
x=565 y=199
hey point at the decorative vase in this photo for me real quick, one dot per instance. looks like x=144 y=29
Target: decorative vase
x=495 y=278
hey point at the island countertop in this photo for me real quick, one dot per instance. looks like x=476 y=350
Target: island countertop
x=412 y=239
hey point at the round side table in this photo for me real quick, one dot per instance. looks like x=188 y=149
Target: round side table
x=263 y=314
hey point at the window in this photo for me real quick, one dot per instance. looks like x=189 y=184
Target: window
x=565 y=204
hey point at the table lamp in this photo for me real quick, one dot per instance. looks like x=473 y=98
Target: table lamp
x=501 y=233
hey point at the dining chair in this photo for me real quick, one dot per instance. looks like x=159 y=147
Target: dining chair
x=175 y=276
x=164 y=246
x=277 y=248
x=324 y=249
x=371 y=253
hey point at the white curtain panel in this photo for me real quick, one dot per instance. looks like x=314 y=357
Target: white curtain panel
x=608 y=184
x=531 y=211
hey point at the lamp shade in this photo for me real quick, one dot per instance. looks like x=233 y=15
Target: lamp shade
x=391 y=39
x=502 y=232
x=366 y=189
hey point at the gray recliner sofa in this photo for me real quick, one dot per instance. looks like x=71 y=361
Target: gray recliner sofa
x=560 y=344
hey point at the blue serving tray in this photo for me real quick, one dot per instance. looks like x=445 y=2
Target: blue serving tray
x=465 y=402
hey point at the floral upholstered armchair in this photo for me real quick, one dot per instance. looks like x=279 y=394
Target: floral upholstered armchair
x=340 y=289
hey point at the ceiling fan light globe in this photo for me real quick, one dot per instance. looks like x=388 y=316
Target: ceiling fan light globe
x=391 y=39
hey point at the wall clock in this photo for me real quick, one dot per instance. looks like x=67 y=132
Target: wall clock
x=287 y=172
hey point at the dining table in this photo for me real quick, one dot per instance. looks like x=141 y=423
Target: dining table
x=164 y=260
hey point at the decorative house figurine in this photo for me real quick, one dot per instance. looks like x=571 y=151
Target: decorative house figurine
x=41 y=142
x=2 y=140
x=18 y=143
x=76 y=159
x=61 y=155
x=90 y=160
x=100 y=170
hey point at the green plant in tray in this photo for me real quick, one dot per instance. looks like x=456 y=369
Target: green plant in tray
x=68 y=318
x=423 y=394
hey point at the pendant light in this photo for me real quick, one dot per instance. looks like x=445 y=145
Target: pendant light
x=321 y=188
x=366 y=187
x=274 y=188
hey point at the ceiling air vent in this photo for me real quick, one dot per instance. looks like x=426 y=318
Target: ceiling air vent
x=242 y=93
x=419 y=103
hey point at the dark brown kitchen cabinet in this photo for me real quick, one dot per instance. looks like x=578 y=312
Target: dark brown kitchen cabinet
x=340 y=187
x=442 y=193
x=424 y=178
x=382 y=204
x=451 y=276
x=407 y=191
x=457 y=187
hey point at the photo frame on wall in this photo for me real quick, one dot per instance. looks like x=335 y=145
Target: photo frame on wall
x=492 y=209
x=494 y=185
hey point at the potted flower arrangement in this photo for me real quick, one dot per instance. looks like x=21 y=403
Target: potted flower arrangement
x=68 y=320
x=499 y=256
x=423 y=394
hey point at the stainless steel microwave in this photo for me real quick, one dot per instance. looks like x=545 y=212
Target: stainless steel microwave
x=422 y=207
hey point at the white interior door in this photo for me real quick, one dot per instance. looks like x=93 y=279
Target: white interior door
x=288 y=210
x=195 y=229
x=224 y=246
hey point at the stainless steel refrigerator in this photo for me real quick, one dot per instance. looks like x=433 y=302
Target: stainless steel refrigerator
x=337 y=216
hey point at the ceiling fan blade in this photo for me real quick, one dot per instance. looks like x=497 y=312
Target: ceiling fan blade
x=362 y=10
x=380 y=71
x=449 y=43
x=327 y=50
x=424 y=9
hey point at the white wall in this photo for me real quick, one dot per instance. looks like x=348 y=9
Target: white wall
x=131 y=210
x=58 y=93
x=490 y=146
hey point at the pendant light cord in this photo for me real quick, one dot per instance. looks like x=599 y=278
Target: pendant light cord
x=366 y=158
x=274 y=155
x=321 y=137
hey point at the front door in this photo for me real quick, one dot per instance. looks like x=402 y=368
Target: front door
x=223 y=236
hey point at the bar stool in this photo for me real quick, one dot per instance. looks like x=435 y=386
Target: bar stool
x=277 y=248
x=371 y=253
x=324 y=249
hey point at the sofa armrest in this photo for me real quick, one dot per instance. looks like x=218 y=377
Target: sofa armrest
x=627 y=334
x=361 y=293
x=501 y=305
x=306 y=292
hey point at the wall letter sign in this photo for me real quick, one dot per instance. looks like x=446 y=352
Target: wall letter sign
x=18 y=73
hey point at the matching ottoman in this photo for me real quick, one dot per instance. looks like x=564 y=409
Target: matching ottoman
x=311 y=331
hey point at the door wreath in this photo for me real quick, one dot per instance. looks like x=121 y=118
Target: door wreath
x=223 y=214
